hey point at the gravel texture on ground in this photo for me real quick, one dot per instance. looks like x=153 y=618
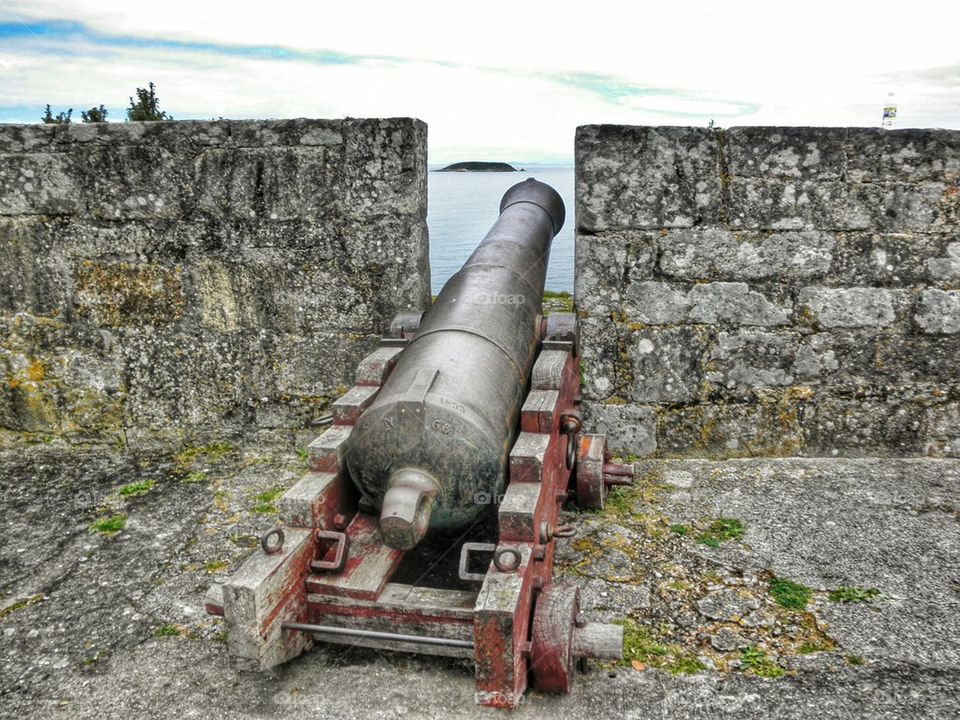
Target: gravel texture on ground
x=749 y=588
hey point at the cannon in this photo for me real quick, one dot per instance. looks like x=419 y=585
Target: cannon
x=461 y=433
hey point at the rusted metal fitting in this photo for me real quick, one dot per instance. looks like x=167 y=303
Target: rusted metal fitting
x=570 y=425
x=271 y=542
x=339 y=559
x=507 y=559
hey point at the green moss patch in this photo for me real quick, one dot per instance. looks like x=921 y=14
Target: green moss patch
x=109 y=526
x=167 y=631
x=212 y=453
x=639 y=646
x=756 y=662
x=135 y=489
x=557 y=302
x=849 y=594
x=266 y=501
x=720 y=530
x=789 y=594
x=21 y=604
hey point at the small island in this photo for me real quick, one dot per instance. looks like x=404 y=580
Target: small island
x=476 y=166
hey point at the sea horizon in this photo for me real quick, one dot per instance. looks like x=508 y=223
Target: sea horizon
x=462 y=206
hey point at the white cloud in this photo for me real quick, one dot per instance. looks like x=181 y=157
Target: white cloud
x=503 y=79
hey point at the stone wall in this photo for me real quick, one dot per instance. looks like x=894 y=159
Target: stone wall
x=770 y=291
x=168 y=281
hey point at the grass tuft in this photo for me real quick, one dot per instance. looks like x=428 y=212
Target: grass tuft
x=789 y=594
x=109 y=526
x=135 y=489
x=266 y=501
x=167 y=631
x=756 y=662
x=719 y=530
x=640 y=647
x=849 y=594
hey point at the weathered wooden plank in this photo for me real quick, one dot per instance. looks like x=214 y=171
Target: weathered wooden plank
x=500 y=630
x=415 y=648
x=519 y=512
x=402 y=598
x=325 y=454
x=213 y=600
x=369 y=563
x=541 y=411
x=602 y=641
x=349 y=406
x=548 y=370
x=527 y=457
x=314 y=500
x=400 y=609
x=266 y=591
x=374 y=369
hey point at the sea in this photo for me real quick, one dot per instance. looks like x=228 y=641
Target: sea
x=463 y=205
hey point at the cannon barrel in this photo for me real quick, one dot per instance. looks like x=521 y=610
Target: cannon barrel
x=432 y=451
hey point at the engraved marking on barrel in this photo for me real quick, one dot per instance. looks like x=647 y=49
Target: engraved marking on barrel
x=441 y=427
x=453 y=405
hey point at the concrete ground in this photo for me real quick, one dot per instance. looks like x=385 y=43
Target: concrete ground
x=700 y=558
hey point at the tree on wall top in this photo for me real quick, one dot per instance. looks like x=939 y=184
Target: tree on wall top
x=94 y=114
x=61 y=118
x=147 y=106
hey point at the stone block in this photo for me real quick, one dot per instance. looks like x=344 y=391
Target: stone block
x=736 y=303
x=849 y=307
x=728 y=429
x=891 y=259
x=646 y=177
x=39 y=184
x=134 y=182
x=630 y=428
x=809 y=153
x=909 y=155
x=861 y=425
x=946 y=268
x=130 y=294
x=943 y=430
x=939 y=311
x=739 y=362
x=720 y=254
x=664 y=364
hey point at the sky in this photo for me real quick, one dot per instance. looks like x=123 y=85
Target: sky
x=494 y=80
